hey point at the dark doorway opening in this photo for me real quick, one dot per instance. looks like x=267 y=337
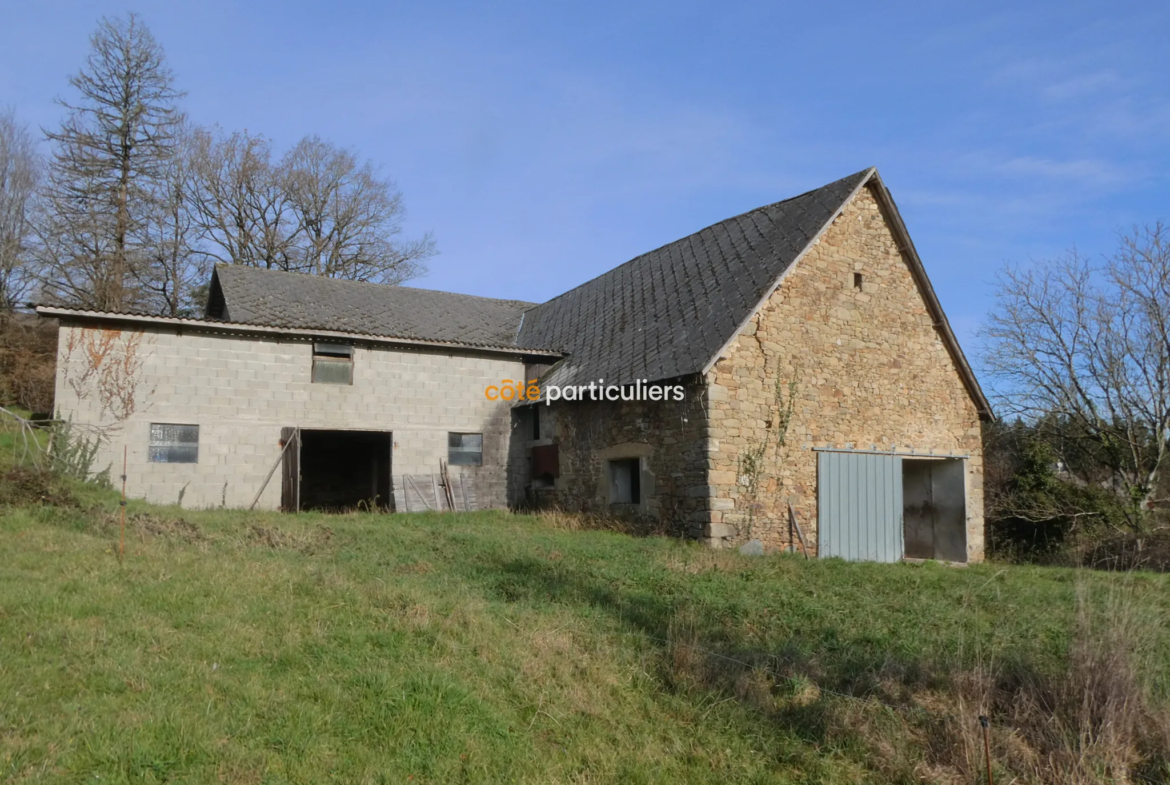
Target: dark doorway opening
x=342 y=470
x=934 y=509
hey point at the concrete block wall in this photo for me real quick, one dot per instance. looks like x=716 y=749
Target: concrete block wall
x=242 y=390
x=867 y=369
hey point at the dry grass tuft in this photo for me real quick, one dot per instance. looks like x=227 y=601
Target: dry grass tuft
x=688 y=666
x=638 y=526
x=1099 y=720
x=24 y=486
x=165 y=526
x=309 y=541
x=695 y=561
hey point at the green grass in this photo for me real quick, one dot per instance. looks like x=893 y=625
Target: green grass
x=15 y=446
x=235 y=647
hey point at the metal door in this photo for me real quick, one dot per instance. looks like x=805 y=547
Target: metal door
x=949 y=492
x=859 y=506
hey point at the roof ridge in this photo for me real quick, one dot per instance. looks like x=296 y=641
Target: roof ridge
x=249 y=270
x=664 y=313
x=700 y=231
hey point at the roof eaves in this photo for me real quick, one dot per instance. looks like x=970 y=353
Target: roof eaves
x=906 y=246
x=246 y=327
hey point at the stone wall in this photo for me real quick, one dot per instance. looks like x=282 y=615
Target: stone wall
x=241 y=390
x=859 y=365
x=667 y=437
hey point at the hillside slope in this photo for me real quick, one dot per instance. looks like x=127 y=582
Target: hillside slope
x=234 y=647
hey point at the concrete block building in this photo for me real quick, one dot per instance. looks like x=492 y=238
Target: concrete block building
x=786 y=375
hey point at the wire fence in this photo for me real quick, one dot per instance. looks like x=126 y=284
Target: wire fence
x=60 y=445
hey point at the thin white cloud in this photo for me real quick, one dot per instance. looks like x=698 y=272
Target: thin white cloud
x=1076 y=94
x=1083 y=85
x=1056 y=79
x=1096 y=173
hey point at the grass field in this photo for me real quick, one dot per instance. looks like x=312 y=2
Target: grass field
x=489 y=647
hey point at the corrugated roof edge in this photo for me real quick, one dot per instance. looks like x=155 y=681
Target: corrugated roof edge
x=244 y=327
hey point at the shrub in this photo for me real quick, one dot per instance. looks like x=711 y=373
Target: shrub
x=1035 y=509
x=22 y=486
x=28 y=361
x=1099 y=720
x=72 y=453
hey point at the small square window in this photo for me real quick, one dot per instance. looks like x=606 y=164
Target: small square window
x=625 y=481
x=171 y=443
x=465 y=449
x=858 y=281
x=332 y=363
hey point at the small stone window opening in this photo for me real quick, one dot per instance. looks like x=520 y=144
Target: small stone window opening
x=858 y=281
x=465 y=449
x=171 y=443
x=625 y=481
x=332 y=363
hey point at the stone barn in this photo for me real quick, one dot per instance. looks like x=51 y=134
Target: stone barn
x=786 y=376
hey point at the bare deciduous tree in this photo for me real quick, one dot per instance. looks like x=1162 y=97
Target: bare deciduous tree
x=348 y=217
x=171 y=273
x=1087 y=347
x=19 y=173
x=239 y=201
x=111 y=153
x=137 y=205
x=318 y=210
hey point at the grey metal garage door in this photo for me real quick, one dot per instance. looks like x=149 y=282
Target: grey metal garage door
x=859 y=506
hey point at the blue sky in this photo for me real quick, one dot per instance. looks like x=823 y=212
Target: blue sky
x=544 y=143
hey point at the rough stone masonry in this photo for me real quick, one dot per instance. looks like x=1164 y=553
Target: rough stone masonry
x=863 y=365
x=844 y=354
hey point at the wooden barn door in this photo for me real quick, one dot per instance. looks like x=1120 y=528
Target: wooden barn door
x=290 y=472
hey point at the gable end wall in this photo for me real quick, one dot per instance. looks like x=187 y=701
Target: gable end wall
x=866 y=369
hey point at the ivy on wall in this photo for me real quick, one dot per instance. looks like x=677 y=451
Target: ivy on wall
x=754 y=459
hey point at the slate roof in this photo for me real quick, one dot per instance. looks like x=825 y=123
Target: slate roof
x=668 y=312
x=247 y=295
x=662 y=315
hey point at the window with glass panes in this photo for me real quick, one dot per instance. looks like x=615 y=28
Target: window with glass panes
x=174 y=443
x=332 y=363
x=465 y=449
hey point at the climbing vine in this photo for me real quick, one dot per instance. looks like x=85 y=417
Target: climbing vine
x=107 y=363
x=753 y=459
